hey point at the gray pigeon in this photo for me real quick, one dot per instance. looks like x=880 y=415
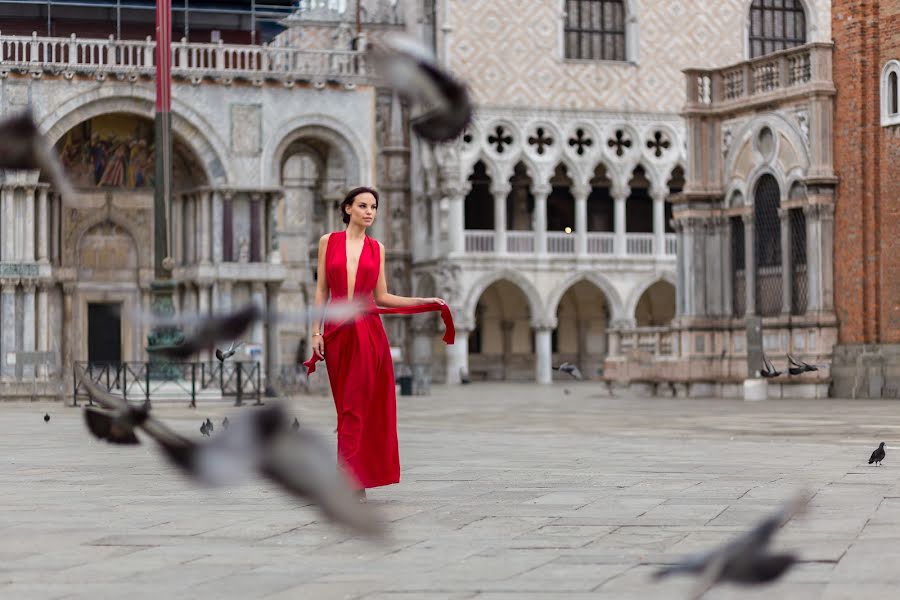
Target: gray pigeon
x=570 y=369
x=744 y=560
x=878 y=455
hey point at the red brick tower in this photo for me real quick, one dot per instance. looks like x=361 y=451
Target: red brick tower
x=866 y=37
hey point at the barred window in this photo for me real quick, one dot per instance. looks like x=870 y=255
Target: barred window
x=738 y=273
x=799 y=281
x=595 y=29
x=776 y=25
x=767 y=229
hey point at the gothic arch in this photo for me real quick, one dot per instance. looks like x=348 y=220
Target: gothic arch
x=645 y=285
x=745 y=135
x=356 y=164
x=535 y=306
x=143 y=248
x=616 y=308
x=202 y=139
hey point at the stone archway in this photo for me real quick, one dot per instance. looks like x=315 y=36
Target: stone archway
x=656 y=306
x=501 y=345
x=583 y=316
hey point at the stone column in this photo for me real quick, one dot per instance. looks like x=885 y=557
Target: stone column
x=205 y=228
x=258 y=334
x=225 y=288
x=506 y=329
x=273 y=242
x=786 y=265
x=256 y=227
x=43 y=229
x=43 y=326
x=659 y=222
x=541 y=192
x=581 y=193
x=203 y=290
x=458 y=355
x=500 y=191
x=689 y=273
x=680 y=287
x=543 y=350
x=227 y=229
x=176 y=243
x=67 y=335
x=146 y=306
x=826 y=256
x=29 y=325
x=749 y=263
x=456 y=221
x=273 y=336
x=28 y=246
x=216 y=226
x=727 y=273
x=7 y=226
x=619 y=197
x=8 y=326
x=700 y=281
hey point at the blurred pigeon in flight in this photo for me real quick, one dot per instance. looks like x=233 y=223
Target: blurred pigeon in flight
x=569 y=369
x=23 y=146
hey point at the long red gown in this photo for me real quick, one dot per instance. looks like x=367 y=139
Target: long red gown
x=360 y=368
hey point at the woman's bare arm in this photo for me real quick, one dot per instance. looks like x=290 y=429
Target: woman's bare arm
x=321 y=291
x=383 y=298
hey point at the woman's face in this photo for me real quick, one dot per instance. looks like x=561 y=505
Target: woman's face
x=362 y=211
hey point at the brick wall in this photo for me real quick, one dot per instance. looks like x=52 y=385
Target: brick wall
x=866 y=35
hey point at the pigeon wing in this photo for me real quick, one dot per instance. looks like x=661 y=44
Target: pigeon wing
x=110 y=426
x=301 y=462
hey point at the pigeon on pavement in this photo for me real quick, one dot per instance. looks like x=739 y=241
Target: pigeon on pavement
x=878 y=455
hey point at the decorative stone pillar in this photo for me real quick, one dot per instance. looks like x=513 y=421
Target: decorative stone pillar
x=216 y=226
x=275 y=201
x=500 y=191
x=458 y=355
x=7 y=327
x=146 y=307
x=681 y=272
x=273 y=336
x=258 y=334
x=749 y=263
x=203 y=301
x=826 y=256
x=727 y=273
x=689 y=272
x=541 y=192
x=7 y=224
x=227 y=228
x=456 y=220
x=205 y=227
x=28 y=245
x=581 y=193
x=256 y=227
x=786 y=265
x=29 y=325
x=43 y=326
x=67 y=335
x=659 y=222
x=43 y=229
x=619 y=197
x=225 y=291
x=543 y=350
x=176 y=243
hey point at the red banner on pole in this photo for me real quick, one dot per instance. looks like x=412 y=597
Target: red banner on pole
x=163 y=55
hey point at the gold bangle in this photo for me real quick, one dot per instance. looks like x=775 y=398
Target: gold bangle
x=316 y=333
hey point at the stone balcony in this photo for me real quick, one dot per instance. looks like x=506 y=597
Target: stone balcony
x=196 y=62
x=595 y=244
x=750 y=84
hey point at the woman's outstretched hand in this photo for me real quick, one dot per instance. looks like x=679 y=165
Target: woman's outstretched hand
x=439 y=301
x=318 y=344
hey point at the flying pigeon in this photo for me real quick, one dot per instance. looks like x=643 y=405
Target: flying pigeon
x=744 y=560
x=569 y=369
x=796 y=367
x=226 y=354
x=412 y=70
x=878 y=455
x=23 y=146
x=768 y=371
x=260 y=441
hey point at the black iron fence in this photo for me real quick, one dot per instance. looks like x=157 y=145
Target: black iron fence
x=139 y=381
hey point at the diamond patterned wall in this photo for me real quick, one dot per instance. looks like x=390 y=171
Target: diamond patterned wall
x=510 y=52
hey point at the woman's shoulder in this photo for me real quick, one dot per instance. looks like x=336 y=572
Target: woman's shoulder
x=324 y=239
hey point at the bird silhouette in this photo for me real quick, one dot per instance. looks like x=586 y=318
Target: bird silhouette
x=262 y=441
x=226 y=354
x=204 y=429
x=46 y=417
x=225 y=423
x=209 y=425
x=296 y=424
x=208 y=331
x=444 y=107
x=744 y=560
x=796 y=367
x=878 y=455
x=569 y=369
x=23 y=146
x=768 y=371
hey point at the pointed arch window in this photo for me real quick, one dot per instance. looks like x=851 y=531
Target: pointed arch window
x=595 y=30
x=776 y=25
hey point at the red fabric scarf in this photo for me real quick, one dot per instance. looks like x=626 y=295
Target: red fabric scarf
x=449 y=333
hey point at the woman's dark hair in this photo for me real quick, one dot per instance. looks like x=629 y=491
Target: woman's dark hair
x=348 y=200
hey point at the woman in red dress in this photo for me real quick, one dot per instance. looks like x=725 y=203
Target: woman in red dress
x=357 y=353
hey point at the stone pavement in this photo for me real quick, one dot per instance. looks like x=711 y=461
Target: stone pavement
x=509 y=492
